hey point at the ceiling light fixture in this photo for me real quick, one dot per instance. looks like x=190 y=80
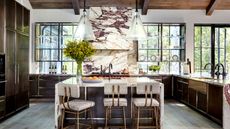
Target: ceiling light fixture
x=136 y=30
x=85 y=29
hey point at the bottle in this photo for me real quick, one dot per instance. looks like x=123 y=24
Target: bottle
x=55 y=69
x=65 y=69
x=50 y=69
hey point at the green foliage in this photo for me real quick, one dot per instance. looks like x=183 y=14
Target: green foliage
x=154 y=68
x=78 y=50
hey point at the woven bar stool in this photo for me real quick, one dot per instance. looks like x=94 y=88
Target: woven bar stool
x=149 y=103
x=113 y=101
x=71 y=105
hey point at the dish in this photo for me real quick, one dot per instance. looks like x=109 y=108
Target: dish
x=175 y=58
x=142 y=58
x=153 y=58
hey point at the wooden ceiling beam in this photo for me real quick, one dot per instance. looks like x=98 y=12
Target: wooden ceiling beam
x=145 y=7
x=76 y=6
x=211 y=7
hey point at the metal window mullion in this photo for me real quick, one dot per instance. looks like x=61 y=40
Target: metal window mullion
x=225 y=47
x=201 y=48
x=169 y=43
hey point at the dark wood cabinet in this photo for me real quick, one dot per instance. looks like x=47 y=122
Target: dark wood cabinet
x=43 y=86
x=198 y=95
x=16 y=49
x=203 y=97
x=2 y=27
x=215 y=102
x=181 y=89
x=192 y=97
x=2 y=107
x=167 y=81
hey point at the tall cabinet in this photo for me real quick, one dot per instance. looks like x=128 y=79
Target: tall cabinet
x=17 y=56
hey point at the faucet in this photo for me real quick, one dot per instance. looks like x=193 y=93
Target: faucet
x=110 y=67
x=218 y=70
x=206 y=65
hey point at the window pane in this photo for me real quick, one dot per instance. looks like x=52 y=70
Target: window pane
x=197 y=36
x=206 y=36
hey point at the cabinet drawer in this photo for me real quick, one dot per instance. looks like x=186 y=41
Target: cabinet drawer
x=198 y=86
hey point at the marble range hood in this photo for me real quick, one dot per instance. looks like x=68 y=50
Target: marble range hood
x=110 y=25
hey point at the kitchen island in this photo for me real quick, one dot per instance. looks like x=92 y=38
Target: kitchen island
x=95 y=92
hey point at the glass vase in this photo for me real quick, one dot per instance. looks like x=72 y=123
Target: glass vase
x=79 y=72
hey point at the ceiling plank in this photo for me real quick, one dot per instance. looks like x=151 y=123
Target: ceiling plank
x=211 y=7
x=76 y=7
x=145 y=7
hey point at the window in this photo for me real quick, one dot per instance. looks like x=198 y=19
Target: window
x=49 y=43
x=206 y=48
x=165 y=47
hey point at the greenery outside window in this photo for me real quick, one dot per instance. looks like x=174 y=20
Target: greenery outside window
x=211 y=46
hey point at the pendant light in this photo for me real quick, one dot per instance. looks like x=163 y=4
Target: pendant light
x=84 y=29
x=136 y=30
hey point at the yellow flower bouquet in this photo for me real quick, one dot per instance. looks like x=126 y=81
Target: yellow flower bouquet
x=79 y=51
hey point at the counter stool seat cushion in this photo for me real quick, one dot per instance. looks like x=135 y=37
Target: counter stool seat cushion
x=79 y=105
x=140 y=102
x=109 y=102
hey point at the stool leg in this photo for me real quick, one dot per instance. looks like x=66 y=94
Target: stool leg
x=62 y=118
x=124 y=118
x=91 y=115
x=138 y=115
x=156 y=117
x=78 y=123
x=106 y=115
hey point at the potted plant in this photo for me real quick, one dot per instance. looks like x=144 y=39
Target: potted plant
x=79 y=51
x=154 y=68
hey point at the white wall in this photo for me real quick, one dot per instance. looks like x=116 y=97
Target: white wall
x=190 y=17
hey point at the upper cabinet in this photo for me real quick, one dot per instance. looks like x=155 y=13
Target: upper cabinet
x=17 y=17
x=1 y=26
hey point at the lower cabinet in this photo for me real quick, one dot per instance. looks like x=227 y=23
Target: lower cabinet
x=2 y=107
x=203 y=97
x=192 y=97
x=181 y=89
x=215 y=102
x=43 y=86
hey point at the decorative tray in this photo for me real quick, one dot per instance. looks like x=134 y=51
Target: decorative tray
x=91 y=80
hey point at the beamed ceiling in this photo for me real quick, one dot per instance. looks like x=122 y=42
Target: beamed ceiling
x=208 y=5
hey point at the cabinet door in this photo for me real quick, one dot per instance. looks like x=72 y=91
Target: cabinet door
x=33 y=86
x=2 y=26
x=202 y=101
x=10 y=71
x=22 y=66
x=167 y=80
x=215 y=102
x=192 y=97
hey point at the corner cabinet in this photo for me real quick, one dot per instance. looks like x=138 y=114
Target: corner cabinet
x=17 y=56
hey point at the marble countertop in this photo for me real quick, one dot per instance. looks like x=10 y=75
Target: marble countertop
x=131 y=81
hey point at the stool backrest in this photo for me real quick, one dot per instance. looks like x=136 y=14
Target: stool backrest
x=115 y=89
x=68 y=90
x=148 y=88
